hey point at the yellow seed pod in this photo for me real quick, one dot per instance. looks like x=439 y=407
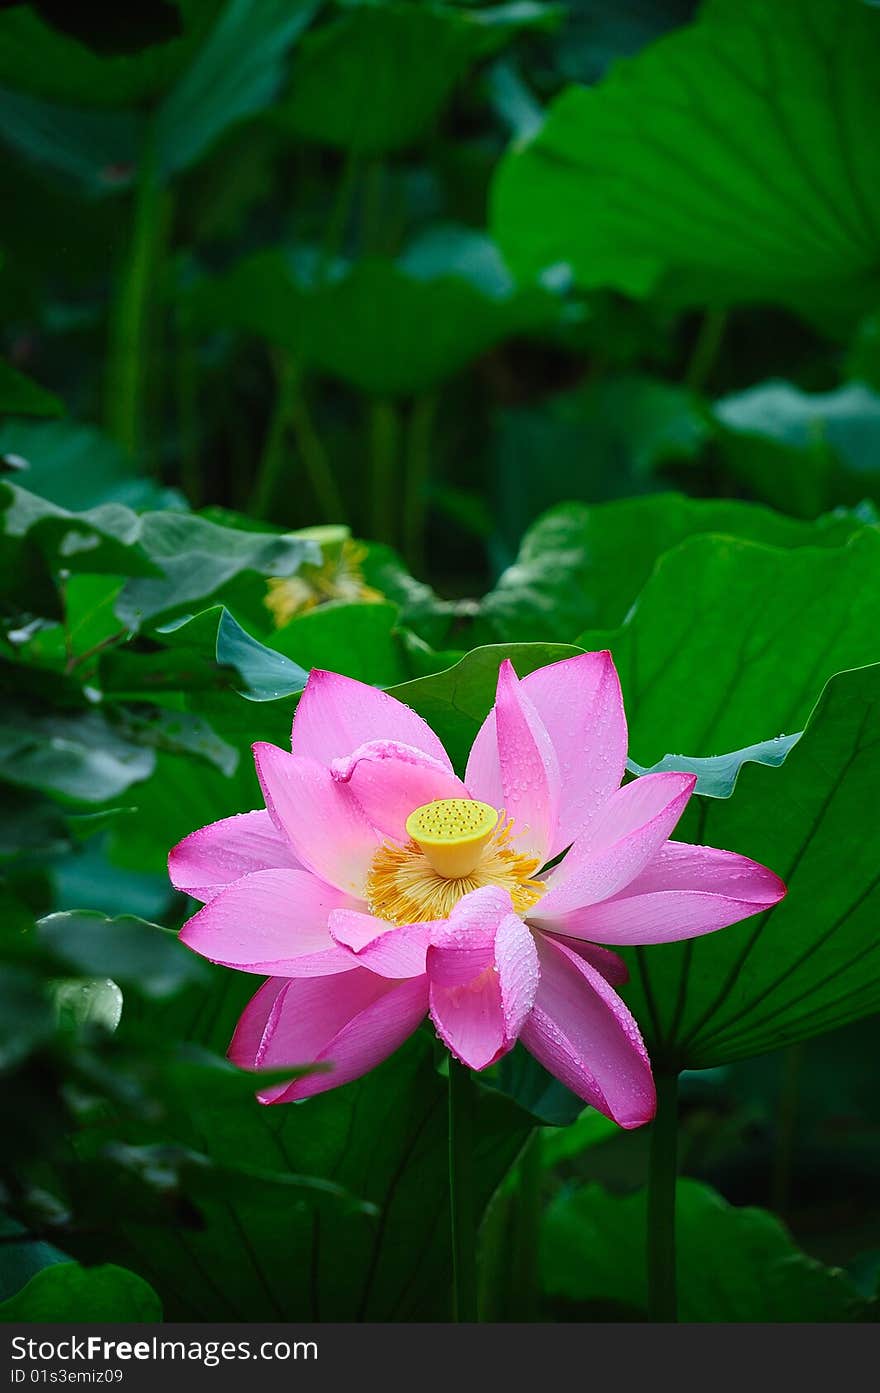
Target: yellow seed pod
x=452 y=833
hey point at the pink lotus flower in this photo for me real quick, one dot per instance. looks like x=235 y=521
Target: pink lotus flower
x=377 y=886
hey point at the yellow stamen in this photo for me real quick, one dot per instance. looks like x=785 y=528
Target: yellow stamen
x=452 y=833
x=338 y=577
x=403 y=887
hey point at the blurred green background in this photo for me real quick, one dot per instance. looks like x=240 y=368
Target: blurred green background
x=423 y=272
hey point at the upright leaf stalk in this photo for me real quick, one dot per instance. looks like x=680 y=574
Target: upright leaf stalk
x=130 y=357
x=662 y=1293
x=461 y=1192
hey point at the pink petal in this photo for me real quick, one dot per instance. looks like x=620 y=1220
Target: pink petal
x=216 y=855
x=516 y=962
x=352 y=1021
x=483 y=772
x=580 y=705
x=336 y=714
x=611 y=967
x=463 y=945
x=272 y=922
x=391 y=780
x=244 y=1048
x=525 y=781
x=391 y=950
x=324 y=823
x=483 y=972
x=470 y=1019
x=684 y=891
x=620 y=840
x=581 y=1031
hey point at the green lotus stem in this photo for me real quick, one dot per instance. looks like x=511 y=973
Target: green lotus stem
x=371 y=218
x=129 y=347
x=337 y=221
x=461 y=1192
x=384 y=432
x=291 y=414
x=187 y=402
x=662 y=1295
x=314 y=456
x=525 y=1262
x=418 y=473
x=272 y=461
x=706 y=349
x=786 y=1126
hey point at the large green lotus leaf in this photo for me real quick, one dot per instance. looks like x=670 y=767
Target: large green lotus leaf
x=813 y=961
x=26 y=1015
x=89 y=624
x=597 y=34
x=421 y=608
x=207 y=651
x=730 y=642
x=228 y=65
x=731 y=161
x=582 y=565
x=799 y=451
x=236 y=72
x=41 y=59
x=734 y=1265
x=173 y=559
x=197 y=560
x=22 y=1260
x=129 y=950
x=243 y=691
x=77 y=466
x=41 y=539
x=365 y=322
x=21 y=396
x=359 y=640
x=519 y=1076
x=49 y=63
x=382 y=1139
x=597 y=443
x=80 y=757
x=173 y=803
x=67 y=1292
x=94 y=150
x=376 y=78
x=455 y=702
x=717 y=774
x=864 y=357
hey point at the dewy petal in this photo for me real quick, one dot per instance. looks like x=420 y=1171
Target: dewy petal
x=618 y=843
x=483 y=772
x=580 y=1030
x=208 y=860
x=684 y=891
x=580 y=706
x=244 y=1048
x=578 y=702
x=527 y=767
x=390 y=780
x=321 y=818
x=337 y=714
x=390 y=950
x=516 y=962
x=271 y=922
x=483 y=971
x=352 y=1022
x=611 y=967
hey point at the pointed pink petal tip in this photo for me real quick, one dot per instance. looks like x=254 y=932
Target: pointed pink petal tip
x=582 y=1032
x=351 y=1022
x=483 y=973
